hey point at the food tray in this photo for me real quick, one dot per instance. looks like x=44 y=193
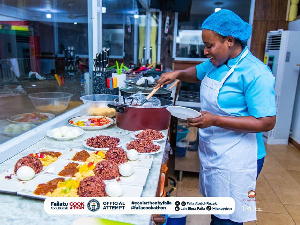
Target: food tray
x=28 y=189
x=14 y=184
x=138 y=177
x=142 y=161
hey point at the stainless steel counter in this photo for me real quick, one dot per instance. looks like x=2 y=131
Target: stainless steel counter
x=20 y=210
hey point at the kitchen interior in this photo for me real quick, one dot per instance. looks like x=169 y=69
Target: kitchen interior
x=77 y=47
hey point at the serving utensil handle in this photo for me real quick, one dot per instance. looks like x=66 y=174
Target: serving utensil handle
x=152 y=93
x=173 y=85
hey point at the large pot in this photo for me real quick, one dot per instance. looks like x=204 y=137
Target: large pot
x=133 y=118
x=162 y=93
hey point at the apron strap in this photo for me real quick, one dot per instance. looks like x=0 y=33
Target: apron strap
x=232 y=68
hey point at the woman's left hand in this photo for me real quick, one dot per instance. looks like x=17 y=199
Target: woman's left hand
x=206 y=119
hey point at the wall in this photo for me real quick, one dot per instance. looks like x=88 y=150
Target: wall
x=268 y=15
x=167 y=41
x=295 y=127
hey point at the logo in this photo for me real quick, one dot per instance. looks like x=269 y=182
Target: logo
x=93 y=205
x=76 y=205
x=59 y=205
x=251 y=194
x=177 y=204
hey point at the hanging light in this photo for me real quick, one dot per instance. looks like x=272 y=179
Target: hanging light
x=48 y=15
x=136 y=16
x=218 y=8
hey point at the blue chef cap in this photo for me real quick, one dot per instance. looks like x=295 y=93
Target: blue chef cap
x=227 y=23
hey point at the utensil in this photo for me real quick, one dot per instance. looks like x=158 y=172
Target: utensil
x=155 y=90
x=134 y=117
x=183 y=112
x=53 y=102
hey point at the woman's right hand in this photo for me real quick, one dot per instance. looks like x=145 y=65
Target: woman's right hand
x=167 y=78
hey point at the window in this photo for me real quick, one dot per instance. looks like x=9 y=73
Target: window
x=40 y=38
x=188 y=43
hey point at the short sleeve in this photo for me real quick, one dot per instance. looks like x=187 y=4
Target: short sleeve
x=202 y=69
x=260 y=96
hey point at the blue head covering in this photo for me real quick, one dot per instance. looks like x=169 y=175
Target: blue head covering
x=227 y=23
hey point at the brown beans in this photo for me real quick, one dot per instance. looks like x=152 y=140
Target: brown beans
x=150 y=134
x=102 y=141
x=107 y=170
x=143 y=146
x=116 y=154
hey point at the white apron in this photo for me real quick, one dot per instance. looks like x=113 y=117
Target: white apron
x=228 y=159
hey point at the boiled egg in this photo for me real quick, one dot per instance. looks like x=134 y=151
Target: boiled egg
x=113 y=189
x=70 y=134
x=8 y=129
x=56 y=132
x=65 y=130
x=26 y=127
x=132 y=154
x=126 y=169
x=15 y=128
x=76 y=131
x=25 y=173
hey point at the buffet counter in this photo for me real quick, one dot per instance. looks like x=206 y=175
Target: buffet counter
x=16 y=209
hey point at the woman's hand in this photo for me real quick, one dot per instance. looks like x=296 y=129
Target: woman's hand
x=206 y=119
x=248 y=124
x=167 y=78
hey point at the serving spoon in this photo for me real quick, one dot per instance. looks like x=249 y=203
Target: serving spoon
x=155 y=90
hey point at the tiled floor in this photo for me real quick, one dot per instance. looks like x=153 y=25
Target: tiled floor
x=278 y=189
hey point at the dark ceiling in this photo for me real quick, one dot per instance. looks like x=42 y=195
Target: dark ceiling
x=78 y=8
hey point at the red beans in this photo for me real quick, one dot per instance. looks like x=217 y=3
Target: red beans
x=143 y=146
x=102 y=141
x=116 y=154
x=150 y=134
x=106 y=170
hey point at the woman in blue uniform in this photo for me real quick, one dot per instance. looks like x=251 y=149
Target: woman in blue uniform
x=237 y=104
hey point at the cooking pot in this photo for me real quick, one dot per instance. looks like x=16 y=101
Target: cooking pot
x=162 y=93
x=133 y=118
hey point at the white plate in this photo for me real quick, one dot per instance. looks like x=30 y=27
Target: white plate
x=50 y=134
x=72 y=153
x=14 y=184
x=149 y=153
x=142 y=161
x=15 y=118
x=59 y=166
x=98 y=149
x=183 y=112
x=85 y=118
x=137 y=132
x=138 y=178
x=28 y=189
x=130 y=190
x=15 y=134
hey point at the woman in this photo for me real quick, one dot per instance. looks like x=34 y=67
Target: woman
x=237 y=103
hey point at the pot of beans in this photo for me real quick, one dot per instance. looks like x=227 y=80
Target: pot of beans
x=130 y=115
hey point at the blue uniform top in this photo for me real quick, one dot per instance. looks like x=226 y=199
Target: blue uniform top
x=248 y=91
